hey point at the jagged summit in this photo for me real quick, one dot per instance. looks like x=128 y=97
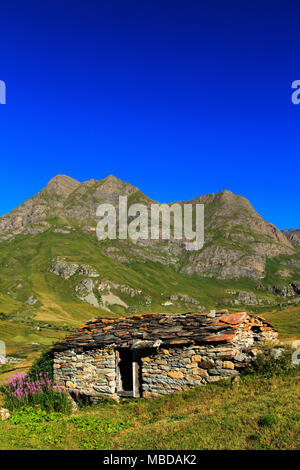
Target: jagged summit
x=62 y=185
x=226 y=191
x=112 y=178
x=61 y=179
x=113 y=183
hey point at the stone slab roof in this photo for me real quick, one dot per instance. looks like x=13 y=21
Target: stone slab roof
x=151 y=330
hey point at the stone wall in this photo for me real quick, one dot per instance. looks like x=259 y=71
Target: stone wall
x=175 y=369
x=91 y=373
x=253 y=330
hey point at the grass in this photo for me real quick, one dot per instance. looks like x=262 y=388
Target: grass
x=286 y=321
x=259 y=414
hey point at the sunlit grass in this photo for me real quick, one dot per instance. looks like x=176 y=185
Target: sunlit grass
x=259 y=414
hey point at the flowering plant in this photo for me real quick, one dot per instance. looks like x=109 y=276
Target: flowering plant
x=22 y=390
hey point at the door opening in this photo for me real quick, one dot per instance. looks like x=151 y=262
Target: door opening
x=127 y=373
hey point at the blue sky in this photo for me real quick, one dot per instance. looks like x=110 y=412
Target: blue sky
x=177 y=97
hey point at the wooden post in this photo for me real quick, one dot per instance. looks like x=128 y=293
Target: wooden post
x=118 y=375
x=135 y=376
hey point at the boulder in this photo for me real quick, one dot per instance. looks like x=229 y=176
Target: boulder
x=67 y=269
x=62 y=268
x=276 y=352
x=296 y=287
x=4 y=414
x=246 y=297
x=86 y=270
x=284 y=291
x=31 y=300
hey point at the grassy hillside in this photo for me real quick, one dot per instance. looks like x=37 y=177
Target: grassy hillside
x=286 y=321
x=25 y=272
x=260 y=414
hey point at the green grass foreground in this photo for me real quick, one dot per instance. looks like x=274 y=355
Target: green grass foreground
x=261 y=413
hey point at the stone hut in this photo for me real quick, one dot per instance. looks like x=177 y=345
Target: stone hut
x=153 y=354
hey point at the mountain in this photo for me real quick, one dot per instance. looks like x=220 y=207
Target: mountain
x=63 y=198
x=238 y=240
x=55 y=274
x=293 y=235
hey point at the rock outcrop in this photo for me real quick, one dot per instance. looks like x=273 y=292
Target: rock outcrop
x=224 y=263
x=85 y=292
x=63 y=268
x=289 y=290
x=293 y=235
x=66 y=269
x=4 y=414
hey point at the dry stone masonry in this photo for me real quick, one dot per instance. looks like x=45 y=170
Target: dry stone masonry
x=89 y=373
x=155 y=354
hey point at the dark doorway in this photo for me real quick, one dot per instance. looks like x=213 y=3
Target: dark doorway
x=129 y=371
x=125 y=371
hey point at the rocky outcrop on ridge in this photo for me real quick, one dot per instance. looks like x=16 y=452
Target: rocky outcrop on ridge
x=67 y=269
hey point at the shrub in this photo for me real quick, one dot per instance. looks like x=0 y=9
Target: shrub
x=268 y=420
x=266 y=365
x=43 y=365
x=4 y=367
x=21 y=391
x=30 y=416
x=254 y=437
x=82 y=401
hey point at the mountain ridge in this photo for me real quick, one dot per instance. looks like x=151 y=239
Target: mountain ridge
x=63 y=186
x=237 y=239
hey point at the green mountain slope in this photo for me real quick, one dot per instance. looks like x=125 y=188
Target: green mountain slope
x=55 y=274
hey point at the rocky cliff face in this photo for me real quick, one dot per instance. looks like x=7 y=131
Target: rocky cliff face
x=238 y=239
x=238 y=242
x=293 y=235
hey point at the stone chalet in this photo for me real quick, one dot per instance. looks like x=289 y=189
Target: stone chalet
x=153 y=354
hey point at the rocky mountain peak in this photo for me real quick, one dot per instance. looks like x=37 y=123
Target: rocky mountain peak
x=62 y=185
x=226 y=192
x=111 y=185
x=112 y=178
x=235 y=200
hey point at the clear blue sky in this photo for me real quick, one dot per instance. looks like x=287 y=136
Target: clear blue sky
x=177 y=97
